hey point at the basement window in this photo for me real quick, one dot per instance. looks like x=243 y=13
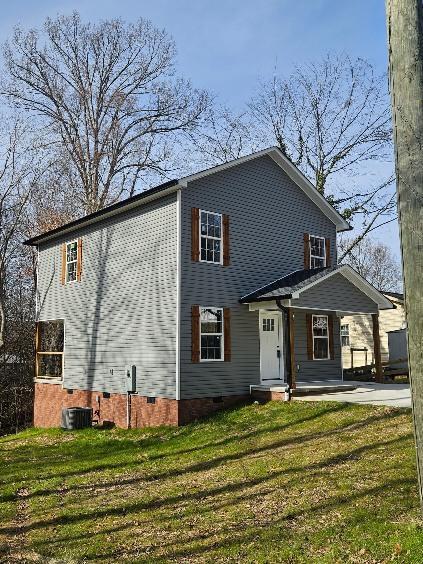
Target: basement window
x=50 y=339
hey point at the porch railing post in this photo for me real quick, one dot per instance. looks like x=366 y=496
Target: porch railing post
x=291 y=332
x=376 y=348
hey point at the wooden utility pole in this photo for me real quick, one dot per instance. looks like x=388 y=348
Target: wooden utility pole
x=405 y=41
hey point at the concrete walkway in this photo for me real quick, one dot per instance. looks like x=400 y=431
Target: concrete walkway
x=395 y=395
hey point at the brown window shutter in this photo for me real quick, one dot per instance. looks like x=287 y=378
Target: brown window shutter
x=195 y=333
x=330 y=329
x=227 y=334
x=63 y=266
x=225 y=222
x=327 y=250
x=195 y=234
x=309 y=322
x=307 y=251
x=79 y=260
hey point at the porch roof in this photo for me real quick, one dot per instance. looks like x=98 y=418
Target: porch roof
x=294 y=284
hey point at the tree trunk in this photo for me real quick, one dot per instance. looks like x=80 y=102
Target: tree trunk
x=404 y=21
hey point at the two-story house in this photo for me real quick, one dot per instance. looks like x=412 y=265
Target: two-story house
x=173 y=303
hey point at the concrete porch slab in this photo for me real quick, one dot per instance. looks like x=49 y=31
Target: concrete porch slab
x=323 y=386
x=394 y=395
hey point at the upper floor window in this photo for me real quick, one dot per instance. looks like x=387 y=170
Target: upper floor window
x=211 y=333
x=320 y=337
x=71 y=261
x=317 y=252
x=345 y=335
x=71 y=267
x=210 y=237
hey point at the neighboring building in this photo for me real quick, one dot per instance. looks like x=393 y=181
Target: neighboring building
x=357 y=335
x=190 y=293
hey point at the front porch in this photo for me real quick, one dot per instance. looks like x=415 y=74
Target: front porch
x=307 y=388
x=299 y=328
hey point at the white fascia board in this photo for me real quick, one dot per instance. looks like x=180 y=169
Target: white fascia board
x=365 y=286
x=358 y=281
x=291 y=170
x=112 y=213
x=298 y=177
x=219 y=168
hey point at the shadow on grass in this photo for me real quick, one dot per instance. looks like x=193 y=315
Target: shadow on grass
x=186 y=497
x=308 y=472
x=83 y=455
x=216 y=460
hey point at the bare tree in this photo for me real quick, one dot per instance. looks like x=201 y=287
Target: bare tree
x=328 y=117
x=375 y=262
x=224 y=136
x=19 y=172
x=108 y=97
x=331 y=119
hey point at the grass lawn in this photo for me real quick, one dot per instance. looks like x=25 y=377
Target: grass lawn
x=298 y=482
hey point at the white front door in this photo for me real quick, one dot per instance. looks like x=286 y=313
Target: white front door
x=271 y=344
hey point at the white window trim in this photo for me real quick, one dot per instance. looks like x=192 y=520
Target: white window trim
x=73 y=261
x=209 y=237
x=62 y=378
x=222 y=344
x=320 y=337
x=347 y=335
x=315 y=256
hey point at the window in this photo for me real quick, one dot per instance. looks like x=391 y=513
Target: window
x=317 y=252
x=49 y=349
x=320 y=337
x=268 y=324
x=211 y=333
x=71 y=261
x=210 y=237
x=345 y=335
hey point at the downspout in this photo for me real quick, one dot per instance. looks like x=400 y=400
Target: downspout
x=287 y=347
x=128 y=410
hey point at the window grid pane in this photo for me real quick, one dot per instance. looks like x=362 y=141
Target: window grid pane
x=268 y=324
x=211 y=237
x=71 y=261
x=345 y=335
x=320 y=337
x=321 y=348
x=317 y=252
x=211 y=333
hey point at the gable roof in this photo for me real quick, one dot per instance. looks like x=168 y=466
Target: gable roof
x=173 y=185
x=292 y=285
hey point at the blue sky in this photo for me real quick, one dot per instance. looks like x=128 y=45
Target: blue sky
x=226 y=46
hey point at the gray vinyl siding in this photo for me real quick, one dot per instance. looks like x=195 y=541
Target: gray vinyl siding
x=123 y=312
x=336 y=293
x=315 y=369
x=268 y=216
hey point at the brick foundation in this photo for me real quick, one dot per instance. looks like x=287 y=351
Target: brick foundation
x=192 y=409
x=267 y=395
x=51 y=398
